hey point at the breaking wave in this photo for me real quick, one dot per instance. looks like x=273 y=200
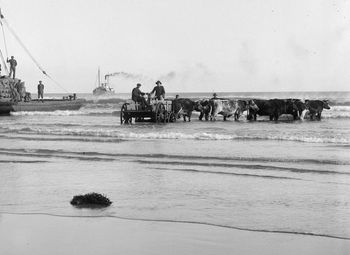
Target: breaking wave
x=111 y=135
x=337 y=112
x=90 y=112
x=177 y=157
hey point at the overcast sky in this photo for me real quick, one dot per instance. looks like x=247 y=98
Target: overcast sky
x=191 y=45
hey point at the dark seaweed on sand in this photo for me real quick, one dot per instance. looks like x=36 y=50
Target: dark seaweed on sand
x=91 y=200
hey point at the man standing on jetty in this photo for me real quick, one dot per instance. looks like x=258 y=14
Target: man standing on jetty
x=41 y=91
x=13 y=64
x=160 y=92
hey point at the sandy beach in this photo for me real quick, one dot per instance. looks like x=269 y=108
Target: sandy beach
x=212 y=127
x=47 y=234
x=182 y=188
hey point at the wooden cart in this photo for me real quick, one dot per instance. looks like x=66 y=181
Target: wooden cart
x=157 y=112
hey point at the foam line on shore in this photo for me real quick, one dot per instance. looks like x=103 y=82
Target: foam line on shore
x=113 y=133
x=228 y=173
x=70 y=139
x=23 y=161
x=57 y=156
x=187 y=222
x=226 y=165
x=182 y=157
x=254 y=167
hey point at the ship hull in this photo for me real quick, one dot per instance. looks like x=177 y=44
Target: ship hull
x=5 y=107
x=47 y=105
x=102 y=92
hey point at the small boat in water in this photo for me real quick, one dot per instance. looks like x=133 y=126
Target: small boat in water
x=103 y=88
x=13 y=94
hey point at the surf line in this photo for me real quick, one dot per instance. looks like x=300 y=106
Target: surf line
x=178 y=156
x=175 y=156
x=187 y=222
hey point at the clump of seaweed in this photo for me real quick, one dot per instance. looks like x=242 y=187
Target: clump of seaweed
x=90 y=200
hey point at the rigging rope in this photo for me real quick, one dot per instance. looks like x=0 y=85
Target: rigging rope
x=3 y=34
x=56 y=82
x=23 y=46
x=28 y=52
x=3 y=62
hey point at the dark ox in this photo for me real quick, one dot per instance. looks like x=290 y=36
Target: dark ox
x=274 y=108
x=183 y=107
x=316 y=107
x=301 y=109
x=245 y=105
x=204 y=107
x=228 y=108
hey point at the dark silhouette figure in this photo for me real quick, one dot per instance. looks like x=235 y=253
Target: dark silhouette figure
x=159 y=91
x=138 y=96
x=13 y=64
x=40 y=91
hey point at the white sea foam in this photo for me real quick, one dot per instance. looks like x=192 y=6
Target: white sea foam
x=97 y=111
x=337 y=112
x=54 y=113
x=118 y=134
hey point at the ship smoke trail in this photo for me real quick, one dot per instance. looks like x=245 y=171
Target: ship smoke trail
x=199 y=70
x=127 y=75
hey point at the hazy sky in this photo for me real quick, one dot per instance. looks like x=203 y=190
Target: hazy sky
x=191 y=45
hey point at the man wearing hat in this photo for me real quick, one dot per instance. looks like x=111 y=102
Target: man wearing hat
x=137 y=95
x=41 y=91
x=159 y=91
x=13 y=64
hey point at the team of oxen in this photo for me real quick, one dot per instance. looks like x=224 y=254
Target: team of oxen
x=209 y=109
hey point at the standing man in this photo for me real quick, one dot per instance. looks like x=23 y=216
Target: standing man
x=41 y=91
x=13 y=64
x=159 y=91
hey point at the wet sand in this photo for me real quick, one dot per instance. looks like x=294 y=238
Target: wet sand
x=46 y=234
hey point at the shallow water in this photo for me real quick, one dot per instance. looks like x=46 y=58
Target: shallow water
x=288 y=176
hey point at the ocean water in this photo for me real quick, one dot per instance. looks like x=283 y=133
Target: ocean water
x=286 y=176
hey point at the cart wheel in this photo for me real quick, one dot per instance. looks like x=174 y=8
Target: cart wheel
x=160 y=113
x=172 y=117
x=124 y=118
